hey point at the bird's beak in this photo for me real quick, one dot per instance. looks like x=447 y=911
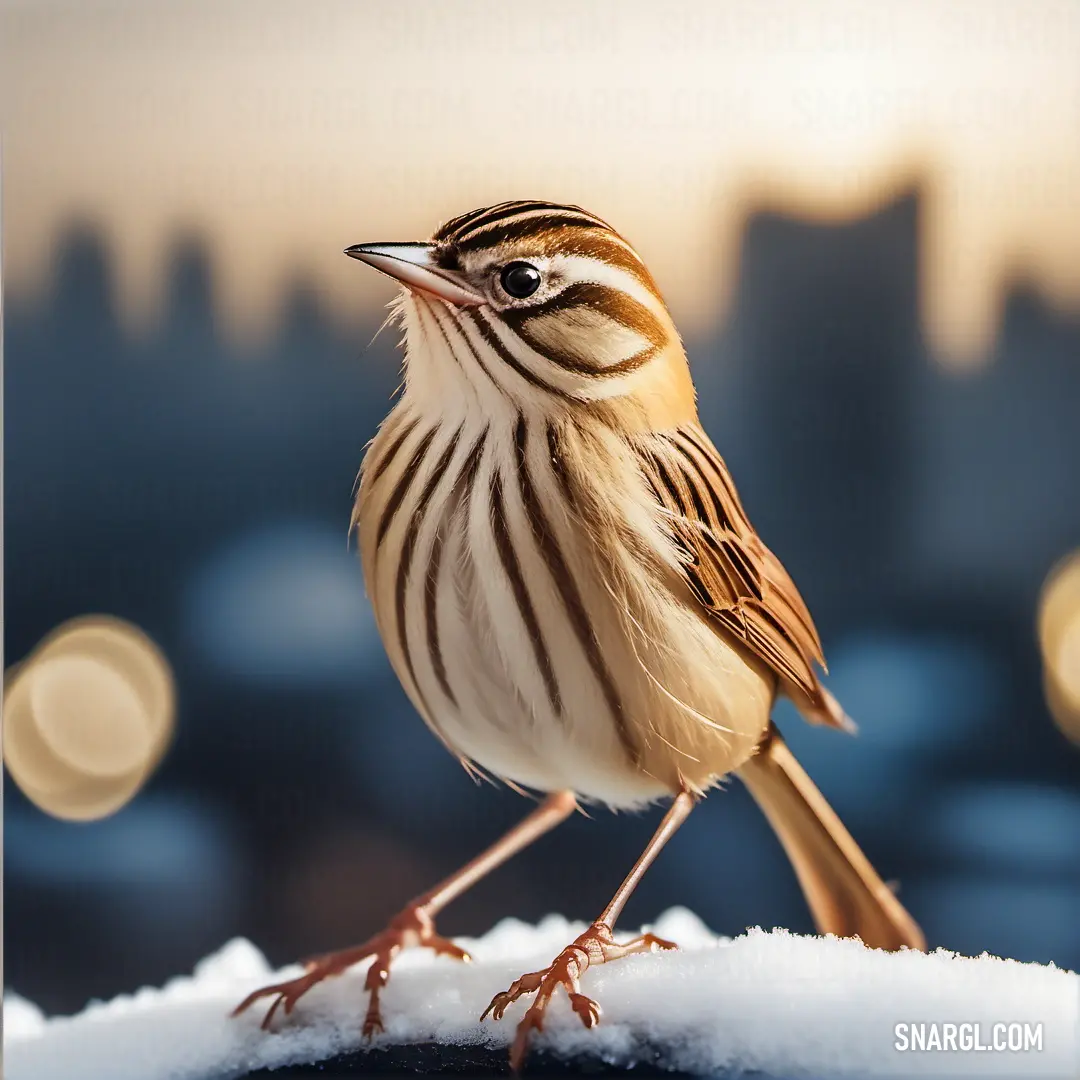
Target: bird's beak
x=414 y=266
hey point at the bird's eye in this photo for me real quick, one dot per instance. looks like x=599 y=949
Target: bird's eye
x=520 y=279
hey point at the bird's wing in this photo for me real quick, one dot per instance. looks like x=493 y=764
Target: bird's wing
x=741 y=585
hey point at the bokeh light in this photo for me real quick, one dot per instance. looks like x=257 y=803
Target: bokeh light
x=1059 y=639
x=87 y=717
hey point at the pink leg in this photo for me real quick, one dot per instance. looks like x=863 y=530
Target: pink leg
x=414 y=925
x=596 y=946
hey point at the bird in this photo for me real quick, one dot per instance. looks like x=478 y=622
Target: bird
x=568 y=587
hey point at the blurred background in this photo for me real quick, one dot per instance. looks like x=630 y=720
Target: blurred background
x=866 y=219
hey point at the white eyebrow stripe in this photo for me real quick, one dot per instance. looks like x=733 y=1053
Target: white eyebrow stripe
x=599 y=272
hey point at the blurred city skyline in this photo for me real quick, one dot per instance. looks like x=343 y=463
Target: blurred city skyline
x=281 y=139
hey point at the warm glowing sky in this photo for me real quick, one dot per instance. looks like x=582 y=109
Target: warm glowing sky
x=285 y=131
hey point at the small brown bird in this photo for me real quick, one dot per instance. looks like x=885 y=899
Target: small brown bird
x=567 y=584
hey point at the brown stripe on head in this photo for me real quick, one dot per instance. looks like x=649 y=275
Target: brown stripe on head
x=458 y=228
x=568 y=328
x=447 y=230
x=617 y=305
x=514 y=229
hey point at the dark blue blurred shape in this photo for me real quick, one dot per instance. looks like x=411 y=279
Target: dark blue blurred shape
x=402 y=764
x=1008 y=870
x=914 y=697
x=284 y=604
x=157 y=841
x=1016 y=830
x=1019 y=919
x=910 y=694
x=137 y=894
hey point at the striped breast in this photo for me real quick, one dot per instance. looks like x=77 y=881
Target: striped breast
x=531 y=618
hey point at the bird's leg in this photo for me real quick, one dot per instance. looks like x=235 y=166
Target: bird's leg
x=413 y=925
x=596 y=946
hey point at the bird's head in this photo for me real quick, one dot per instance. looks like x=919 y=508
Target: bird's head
x=533 y=301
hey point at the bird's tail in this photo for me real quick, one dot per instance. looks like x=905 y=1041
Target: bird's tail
x=845 y=894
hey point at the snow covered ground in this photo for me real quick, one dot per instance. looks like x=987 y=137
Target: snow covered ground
x=780 y=1004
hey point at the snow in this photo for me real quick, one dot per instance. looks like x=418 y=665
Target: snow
x=21 y=1018
x=778 y=1003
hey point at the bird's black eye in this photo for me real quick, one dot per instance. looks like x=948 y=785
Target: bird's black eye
x=520 y=279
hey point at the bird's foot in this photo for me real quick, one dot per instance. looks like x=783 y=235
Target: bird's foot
x=413 y=926
x=595 y=946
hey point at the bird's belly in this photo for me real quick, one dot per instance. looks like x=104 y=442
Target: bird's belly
x=507 y=723
x=651 y=712
x=535 y=642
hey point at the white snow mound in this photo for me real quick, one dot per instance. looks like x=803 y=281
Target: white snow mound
x=775 y=1003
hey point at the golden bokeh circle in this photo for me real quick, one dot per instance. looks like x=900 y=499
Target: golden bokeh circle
x=1067 y=663
x=127 y=649
x=1059 y=642
x=26 y=753
x=87 y=717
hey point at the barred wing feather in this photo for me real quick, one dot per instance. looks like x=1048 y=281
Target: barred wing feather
x=741 y=585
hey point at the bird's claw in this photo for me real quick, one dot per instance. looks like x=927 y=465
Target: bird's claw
x=586 y=1008
x=413 y=926
x=285 y=996
x=527 y=984
x=373 y=1024
x=652 y=943
x=595 y=946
